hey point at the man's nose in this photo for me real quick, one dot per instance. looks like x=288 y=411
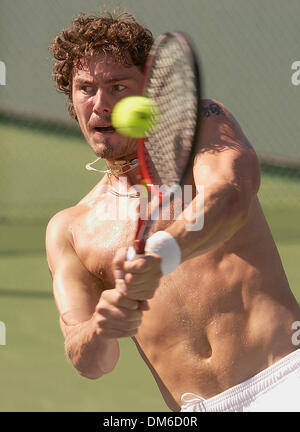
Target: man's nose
x=102 y=102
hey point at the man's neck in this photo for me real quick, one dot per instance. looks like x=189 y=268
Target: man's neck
x=122 y=166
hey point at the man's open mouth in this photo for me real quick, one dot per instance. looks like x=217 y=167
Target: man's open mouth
x=104 y=129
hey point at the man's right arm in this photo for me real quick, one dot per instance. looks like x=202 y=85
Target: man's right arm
x=91 y=319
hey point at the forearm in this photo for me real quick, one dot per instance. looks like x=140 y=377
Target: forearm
x=91 y=354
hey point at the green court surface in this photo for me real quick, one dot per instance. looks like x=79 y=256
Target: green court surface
x=39 y=175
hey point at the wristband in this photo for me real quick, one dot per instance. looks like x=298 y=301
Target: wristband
x=163 y=244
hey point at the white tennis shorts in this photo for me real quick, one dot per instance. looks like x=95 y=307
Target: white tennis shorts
x=276 y=388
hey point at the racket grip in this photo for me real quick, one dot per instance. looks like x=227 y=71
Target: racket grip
x=139 y=246
x=137 y=250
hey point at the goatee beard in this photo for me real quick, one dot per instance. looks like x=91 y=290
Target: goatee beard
x=105 y=150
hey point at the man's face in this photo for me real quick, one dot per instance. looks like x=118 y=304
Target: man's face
x=97 y=87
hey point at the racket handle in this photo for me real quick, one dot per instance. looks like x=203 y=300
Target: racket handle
x=137 y=250
x=139 y=246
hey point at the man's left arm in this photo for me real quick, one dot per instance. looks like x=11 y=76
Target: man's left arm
x=226 y=170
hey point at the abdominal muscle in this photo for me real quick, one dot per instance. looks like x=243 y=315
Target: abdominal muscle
x=218 y=320
x=190 y=343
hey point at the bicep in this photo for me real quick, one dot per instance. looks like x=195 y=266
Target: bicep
x=76 y=290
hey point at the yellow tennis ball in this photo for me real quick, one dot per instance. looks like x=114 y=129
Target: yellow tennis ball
x=134 y=116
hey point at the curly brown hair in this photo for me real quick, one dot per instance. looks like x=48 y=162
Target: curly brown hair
x=110 y=33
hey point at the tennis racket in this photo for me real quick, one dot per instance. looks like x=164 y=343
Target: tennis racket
x=173 y=81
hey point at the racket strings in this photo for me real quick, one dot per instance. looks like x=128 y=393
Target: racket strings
x=172 y=85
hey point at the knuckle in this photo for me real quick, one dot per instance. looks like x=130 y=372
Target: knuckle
x=137 y=265
x=118 y=296
x=100 y=308
x=100 y=332
x=129 y=278
x=104 y=299
x=143 y=263
x=103 y=307
x=100 y=320
x=123 y=315
x=120 y=287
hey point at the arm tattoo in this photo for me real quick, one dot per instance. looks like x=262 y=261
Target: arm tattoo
x=211 y=109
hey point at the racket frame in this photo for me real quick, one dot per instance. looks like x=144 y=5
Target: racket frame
x=144 y=226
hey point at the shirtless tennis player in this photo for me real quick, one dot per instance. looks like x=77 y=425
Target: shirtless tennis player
x=217 y=331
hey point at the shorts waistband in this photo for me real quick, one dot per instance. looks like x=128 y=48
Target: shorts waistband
x=247 y=390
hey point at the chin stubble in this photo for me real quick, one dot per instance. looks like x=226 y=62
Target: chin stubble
x=107 y=151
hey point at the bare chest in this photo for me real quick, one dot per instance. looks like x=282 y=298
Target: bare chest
x=105 y=226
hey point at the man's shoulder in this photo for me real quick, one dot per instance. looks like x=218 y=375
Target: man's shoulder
x=62 y=220
x=59 y=226
x=223 y=146
x=220 y=129
x=215 y=114
x=59 y=238
x=63 y=217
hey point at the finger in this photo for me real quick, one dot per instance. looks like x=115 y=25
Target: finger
x=115 y=324
x=139 y=286
x=116 y=298
x=141 y=295
x=118 y=263
x=141 y=279
x=120 y=314
x=120 y=284
x=119 y=325
x=132 y=291
x=143 y=264
x=130 y=304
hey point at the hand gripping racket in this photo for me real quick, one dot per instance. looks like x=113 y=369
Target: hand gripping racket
x=173 y=81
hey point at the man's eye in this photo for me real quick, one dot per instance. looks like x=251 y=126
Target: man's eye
x=119 y=87
x=87 y=89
